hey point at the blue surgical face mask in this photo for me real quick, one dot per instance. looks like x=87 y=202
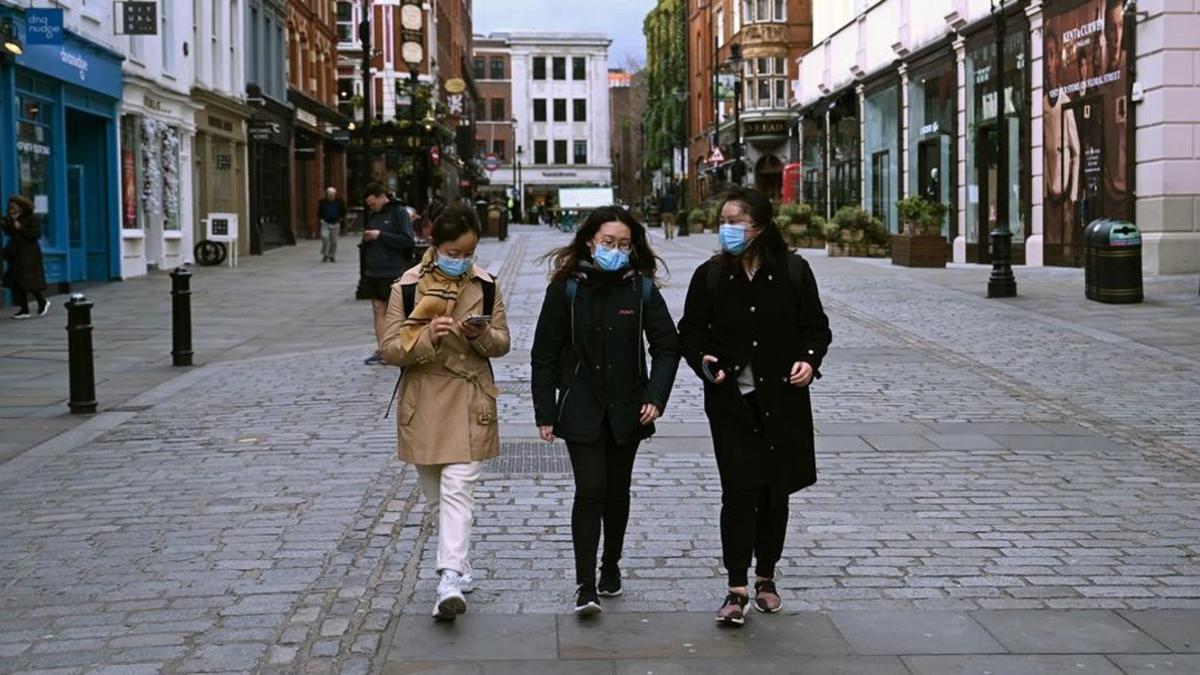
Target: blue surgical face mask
x=733 y=238
x=454 y=267
x=610 y=259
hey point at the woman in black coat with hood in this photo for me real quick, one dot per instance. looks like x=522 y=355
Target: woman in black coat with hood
x=590 y=383
x=23 y=273
x=754 y=330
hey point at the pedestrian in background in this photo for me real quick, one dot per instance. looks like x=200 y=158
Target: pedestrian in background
x=23 y=271
x=754 y=331
x=590 y=383
x=446 y=319
x=389 y=242
x=666 y=210
x=331 y=212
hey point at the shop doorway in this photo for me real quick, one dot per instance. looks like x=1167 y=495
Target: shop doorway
x=931 y=181
x=881 y=188
x=270 y=204
x=987 y=166
x=88 y=228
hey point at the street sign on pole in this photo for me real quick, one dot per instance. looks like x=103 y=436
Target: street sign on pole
x=491 y=162
x=716 y=157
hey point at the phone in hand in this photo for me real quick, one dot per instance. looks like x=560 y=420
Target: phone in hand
x=711 y=369
x=479 y=320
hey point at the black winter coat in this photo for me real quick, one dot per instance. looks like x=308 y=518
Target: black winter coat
x=23 y=255
x=589 y=360
x=769 y=324
x=390 y=256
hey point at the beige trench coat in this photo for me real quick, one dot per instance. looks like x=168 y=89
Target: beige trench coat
x=446 y=408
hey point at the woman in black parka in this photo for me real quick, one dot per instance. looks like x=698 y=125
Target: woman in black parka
x=754 y=330
x=590 y=383
x=23 y=273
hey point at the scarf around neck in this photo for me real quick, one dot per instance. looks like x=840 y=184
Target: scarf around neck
x=438 y=294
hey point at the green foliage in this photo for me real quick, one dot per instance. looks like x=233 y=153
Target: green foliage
x=921 y=216
x=852 y=224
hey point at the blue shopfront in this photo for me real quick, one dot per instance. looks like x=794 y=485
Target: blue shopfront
x=58 y=148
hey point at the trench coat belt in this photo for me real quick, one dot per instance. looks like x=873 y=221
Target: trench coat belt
x=488 y=388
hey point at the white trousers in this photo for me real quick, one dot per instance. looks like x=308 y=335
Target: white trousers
x=450 y=491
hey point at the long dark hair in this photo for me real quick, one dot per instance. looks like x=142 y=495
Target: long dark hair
x=23 y=205
x=769 y=245
x=565 y=261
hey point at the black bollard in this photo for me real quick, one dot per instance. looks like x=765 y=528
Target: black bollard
x=181 y=317
x=82 y=371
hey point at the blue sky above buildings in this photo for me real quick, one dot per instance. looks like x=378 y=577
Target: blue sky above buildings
x=621 y=20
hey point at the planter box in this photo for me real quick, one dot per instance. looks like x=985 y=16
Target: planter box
x=918 y=250
x=856 y=249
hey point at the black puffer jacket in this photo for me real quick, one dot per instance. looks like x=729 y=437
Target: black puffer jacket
x=589 y=359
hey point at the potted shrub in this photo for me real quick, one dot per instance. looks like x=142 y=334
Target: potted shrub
x=801 y=226
x=854 y=232
x=697 y=219
x=921 y=243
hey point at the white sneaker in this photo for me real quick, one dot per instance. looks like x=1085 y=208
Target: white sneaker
x=450 y=602
x=466 y=582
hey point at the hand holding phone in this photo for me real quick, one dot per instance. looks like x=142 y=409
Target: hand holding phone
x=711 y=367
x=480 y=320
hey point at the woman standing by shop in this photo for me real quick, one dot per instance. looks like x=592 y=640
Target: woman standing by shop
x=23 y=273
x=445 y=320
x=590 y=383
x=754 y=330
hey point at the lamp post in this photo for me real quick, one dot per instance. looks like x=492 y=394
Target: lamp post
x=520 y=196
x=1001 y=283
x=412 y=50
x=364 y=35
x=736 y=62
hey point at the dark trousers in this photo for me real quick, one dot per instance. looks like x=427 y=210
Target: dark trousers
x=21 y=299
x=753 y=523
x=603 y=472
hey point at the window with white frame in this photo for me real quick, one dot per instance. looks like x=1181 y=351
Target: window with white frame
x=763 y=11
x=720 y=26
x=765 y=81
x=345 y=21
x=167 y=31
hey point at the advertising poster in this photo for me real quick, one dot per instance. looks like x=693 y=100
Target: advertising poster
x=1084 y=115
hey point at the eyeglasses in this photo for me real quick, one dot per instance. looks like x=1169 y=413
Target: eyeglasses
x=619 y=244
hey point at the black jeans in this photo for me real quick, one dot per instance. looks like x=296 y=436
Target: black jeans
x=753 y=523
x=603 y=472
x=21 y=299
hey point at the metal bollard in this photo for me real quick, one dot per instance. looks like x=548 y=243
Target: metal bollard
x=181 y=317
x=82 y=371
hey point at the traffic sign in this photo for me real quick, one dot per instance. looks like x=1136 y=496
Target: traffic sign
x=491 y=162
x=716 y=157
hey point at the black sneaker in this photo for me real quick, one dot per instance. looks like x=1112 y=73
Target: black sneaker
x=733 y=611
x=610 y=582
x=586 y=601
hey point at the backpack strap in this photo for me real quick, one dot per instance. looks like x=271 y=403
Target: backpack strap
x=647 y=289
x=408 y=293
x=572 y=289
x=489 y=296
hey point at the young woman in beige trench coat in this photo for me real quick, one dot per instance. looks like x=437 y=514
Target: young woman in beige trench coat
x=446 y=408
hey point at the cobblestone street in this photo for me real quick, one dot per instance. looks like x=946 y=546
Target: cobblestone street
x=1004 y=486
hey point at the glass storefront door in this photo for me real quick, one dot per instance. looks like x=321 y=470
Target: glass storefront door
x=932 y=101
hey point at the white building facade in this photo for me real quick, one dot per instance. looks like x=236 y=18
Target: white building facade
x=1102 y=109
x=560 y=103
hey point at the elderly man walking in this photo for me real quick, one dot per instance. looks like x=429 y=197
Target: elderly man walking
x=331 y=211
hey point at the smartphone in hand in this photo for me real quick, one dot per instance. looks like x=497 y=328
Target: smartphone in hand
x=711 y=369
x=479 y=321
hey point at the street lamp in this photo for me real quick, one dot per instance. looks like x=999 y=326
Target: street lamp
x=736 y=62
x=1001 y=283
x=12 y=42
x=520 y=196
x=364 y=36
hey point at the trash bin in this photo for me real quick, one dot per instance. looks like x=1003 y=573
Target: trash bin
x=1112 y=261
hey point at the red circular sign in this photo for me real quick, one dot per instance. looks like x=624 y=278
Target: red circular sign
x=491 y=162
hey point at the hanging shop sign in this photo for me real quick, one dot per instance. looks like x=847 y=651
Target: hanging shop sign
x=44 y=26
x=137 y=17
x=266 y=131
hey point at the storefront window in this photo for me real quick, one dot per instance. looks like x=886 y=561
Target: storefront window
x=812 y=130
x=983 y=152
x=34 y=143
x=158 y=171
x=845 y=172
x=931 y=157
x=129 y=191
x=882 y=110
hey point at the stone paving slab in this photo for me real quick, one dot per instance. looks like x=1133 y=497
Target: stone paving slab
x=1066 y=632
x=1010 y=665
